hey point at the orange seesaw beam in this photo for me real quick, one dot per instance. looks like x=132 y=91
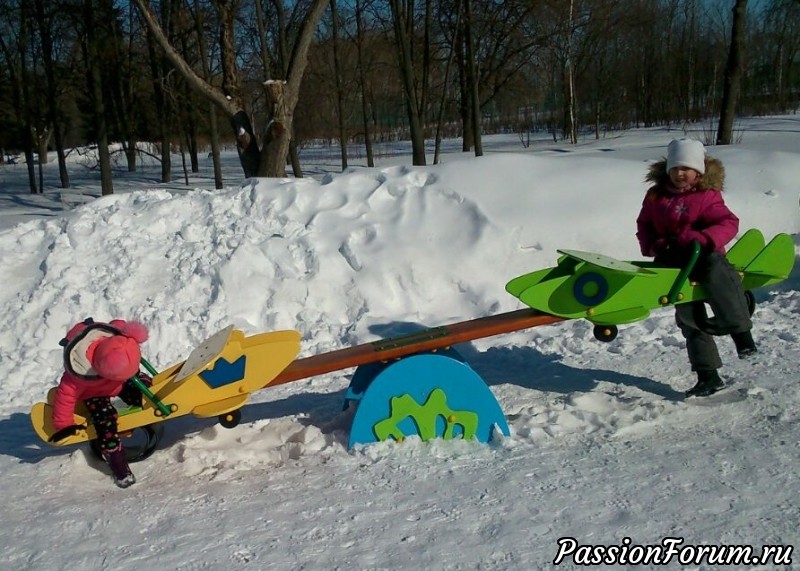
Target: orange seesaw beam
x=417 y=342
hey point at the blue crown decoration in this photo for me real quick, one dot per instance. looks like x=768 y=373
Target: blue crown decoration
x=223 y=372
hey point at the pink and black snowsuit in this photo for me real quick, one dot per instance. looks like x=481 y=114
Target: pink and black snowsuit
x=99 y=359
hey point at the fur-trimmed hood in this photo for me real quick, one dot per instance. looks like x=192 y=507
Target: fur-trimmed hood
x=698 y=214
x=714 y=176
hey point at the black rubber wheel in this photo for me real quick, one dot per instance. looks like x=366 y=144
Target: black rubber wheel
x=139 y=444
x=605 y=333
x=230 y=419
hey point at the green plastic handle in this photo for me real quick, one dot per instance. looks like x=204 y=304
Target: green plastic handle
x=165 y=410
x=680 y=281
x=149 y=367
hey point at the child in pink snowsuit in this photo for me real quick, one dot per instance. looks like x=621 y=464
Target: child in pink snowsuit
x=684 y=205
x=100 y=359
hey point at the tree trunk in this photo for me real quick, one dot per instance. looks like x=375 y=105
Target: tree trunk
x=215 y=154
x=246 y=141
x=53 y=110
x=362 y=80
x=98 y=101
x=30 y=161
x=472 y=79
x=130 y=156
x=212 y=110
x=246 y=144
x=337 y=75
x=42 y=143
x=572 y=126
x=400 y=18
x=277 y=136
x=192 y=136
x=733 y=75
x=443 y=101
x=161 y=102
x=283 y=63
x=464 y=97
x=294 y=159
x=28 y=114
x=121 y=97
x=17 y=71
x=190 y=118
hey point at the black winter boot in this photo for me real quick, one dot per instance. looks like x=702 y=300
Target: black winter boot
x=121 y=472
x=708 y=382
x=745 y=346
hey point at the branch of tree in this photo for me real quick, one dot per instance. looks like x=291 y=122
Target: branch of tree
x=198 y=83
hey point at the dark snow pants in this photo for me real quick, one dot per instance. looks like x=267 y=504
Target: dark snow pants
x=726 y=297
x=104 y=415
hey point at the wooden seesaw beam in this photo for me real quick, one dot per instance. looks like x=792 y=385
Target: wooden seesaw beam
x=417 y=342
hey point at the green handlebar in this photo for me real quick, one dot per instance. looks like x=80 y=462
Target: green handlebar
x=165 y=410
x=149 y=367
x=672 y=296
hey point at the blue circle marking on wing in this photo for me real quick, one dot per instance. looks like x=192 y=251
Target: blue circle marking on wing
x=590 y=288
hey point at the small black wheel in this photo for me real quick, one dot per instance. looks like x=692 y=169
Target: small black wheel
x=605 y=333
x=230 y=419
x=751 y=301
x=139 y=444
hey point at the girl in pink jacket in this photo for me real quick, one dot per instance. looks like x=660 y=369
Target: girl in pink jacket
x=684 y=205
x=99 y=361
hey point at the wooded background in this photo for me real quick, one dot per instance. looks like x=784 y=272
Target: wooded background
x=269 y=77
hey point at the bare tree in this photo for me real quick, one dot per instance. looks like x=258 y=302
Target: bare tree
x=46 y=21
x=733 y=75
x=783 y=24
x=199 y=23
x=445 y=85
x=161 y=101
x=505 y=41
x=339 y=90
x=92 y=41
x=362 y=81
x=403 y=21
x=282 y=95
x=472 y=77
x=14 y=50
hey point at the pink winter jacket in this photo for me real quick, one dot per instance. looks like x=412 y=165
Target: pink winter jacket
x=73 y=390
x=699 y=214
x=108 y=360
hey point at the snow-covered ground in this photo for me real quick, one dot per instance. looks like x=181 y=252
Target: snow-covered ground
x=603 y=450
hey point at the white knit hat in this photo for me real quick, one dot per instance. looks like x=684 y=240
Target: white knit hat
x=686 y=153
